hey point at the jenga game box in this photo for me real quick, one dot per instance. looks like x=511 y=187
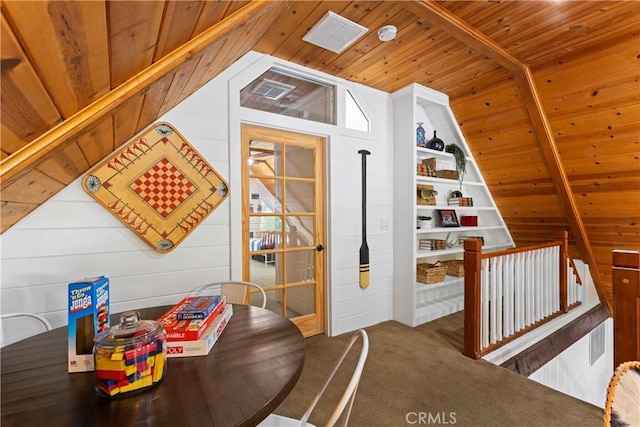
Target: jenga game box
x=88 y=315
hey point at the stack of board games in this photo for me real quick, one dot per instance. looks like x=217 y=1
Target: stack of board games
x=194 y=325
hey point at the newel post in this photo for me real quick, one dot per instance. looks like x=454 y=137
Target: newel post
x=563 y=237
x=626 y=306
x=472 y=268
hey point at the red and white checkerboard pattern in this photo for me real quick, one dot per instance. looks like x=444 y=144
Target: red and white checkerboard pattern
x=163 y=187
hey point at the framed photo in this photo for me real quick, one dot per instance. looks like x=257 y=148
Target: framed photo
x=448 y=218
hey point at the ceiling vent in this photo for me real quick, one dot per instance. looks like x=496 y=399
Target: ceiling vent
x=334 y=33
x=272 y=89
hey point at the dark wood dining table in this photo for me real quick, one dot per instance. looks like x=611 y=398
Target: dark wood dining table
x=251 y=369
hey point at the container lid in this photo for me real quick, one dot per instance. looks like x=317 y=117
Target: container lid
x=130 y=330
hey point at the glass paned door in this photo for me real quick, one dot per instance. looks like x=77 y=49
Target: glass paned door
x=283 y=222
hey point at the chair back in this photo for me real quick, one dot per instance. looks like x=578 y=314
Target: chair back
x=18 y=326
x=236 y=291
x=622 y=407
x=345 y=404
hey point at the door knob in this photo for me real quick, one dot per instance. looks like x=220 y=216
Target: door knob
x=319 y=248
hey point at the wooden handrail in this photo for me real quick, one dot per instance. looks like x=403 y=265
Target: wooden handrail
x=511 y=251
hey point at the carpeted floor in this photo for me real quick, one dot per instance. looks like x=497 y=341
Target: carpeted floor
x=418 y=376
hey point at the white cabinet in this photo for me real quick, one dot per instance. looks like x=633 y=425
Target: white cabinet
x=414 y=302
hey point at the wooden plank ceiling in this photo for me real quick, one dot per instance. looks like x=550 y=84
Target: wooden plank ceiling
x=546 y=92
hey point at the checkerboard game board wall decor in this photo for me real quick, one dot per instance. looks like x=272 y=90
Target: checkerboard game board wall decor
x=158 y=185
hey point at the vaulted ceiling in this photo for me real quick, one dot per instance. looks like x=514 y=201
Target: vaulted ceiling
x=546 y=92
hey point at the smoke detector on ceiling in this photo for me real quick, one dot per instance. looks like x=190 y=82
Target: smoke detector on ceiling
x=334 y=32
x=387 y=33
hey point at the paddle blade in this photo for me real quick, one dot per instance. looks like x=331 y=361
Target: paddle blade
x=364 y=265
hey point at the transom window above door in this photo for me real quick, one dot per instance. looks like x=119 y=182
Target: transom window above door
x=289 y=94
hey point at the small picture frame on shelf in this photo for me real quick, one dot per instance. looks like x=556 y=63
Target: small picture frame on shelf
x=448 y=218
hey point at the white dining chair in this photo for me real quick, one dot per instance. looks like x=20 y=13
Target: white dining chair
x=343 y=408
x=236 y=291
x=18 y=326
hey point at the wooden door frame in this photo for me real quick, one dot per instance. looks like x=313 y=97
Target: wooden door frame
x=250 y=131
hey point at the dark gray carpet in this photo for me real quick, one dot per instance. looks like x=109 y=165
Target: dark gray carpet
x=418 y=376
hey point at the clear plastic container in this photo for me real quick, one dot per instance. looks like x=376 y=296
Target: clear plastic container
x=130 y=356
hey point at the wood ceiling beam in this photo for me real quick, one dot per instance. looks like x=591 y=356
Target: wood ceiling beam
x=80 y=122
x=467 y=34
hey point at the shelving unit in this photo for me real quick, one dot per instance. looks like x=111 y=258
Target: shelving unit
x=414 y=302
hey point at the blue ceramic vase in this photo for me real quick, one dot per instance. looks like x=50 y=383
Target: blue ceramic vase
x=420 y=135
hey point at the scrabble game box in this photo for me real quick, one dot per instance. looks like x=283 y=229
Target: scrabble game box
x=88 y=314
x=202 y=346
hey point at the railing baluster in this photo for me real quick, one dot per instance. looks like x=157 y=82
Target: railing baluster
x=508 y=296
x=546 y=302
x=548 y=280
x=535 y=290
x=499 y=299
x=572 y=285
x=519 y=292
x=528 y=279
x=581 y=291
x=484 y=310
x=500 y=296
x=555 y=279
x=492 y=302
x=543 y=267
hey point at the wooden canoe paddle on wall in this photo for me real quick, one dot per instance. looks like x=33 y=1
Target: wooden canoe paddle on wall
x=364 y=249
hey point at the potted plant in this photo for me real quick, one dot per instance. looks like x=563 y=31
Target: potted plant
x=460 y=158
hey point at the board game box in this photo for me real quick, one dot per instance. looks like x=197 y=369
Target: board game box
x=203 y=346
x=188 y=330
x=88 y=314
x=199 y=308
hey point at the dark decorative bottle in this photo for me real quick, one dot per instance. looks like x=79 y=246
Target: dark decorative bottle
x=435 y=143
x=420 y=135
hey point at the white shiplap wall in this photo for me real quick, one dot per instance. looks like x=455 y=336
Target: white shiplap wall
x=572 y=373
x=71 y=236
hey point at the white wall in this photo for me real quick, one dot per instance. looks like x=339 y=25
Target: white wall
x=572 y=373
x=71 y=236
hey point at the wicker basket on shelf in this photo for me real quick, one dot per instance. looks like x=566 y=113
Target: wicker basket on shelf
x=430 y=273
x=455 y=267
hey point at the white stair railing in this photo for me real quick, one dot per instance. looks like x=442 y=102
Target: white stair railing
x=516 y=290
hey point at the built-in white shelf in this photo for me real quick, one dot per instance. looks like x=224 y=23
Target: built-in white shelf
x=415 y=303
x=448 y=281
